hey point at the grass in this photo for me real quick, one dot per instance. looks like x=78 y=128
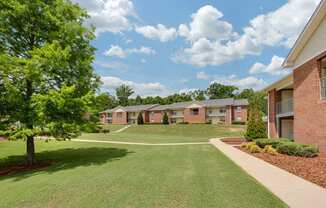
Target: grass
x=105 y=175
x=169 y=133
x=112 y=127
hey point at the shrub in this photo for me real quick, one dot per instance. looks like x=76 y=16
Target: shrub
x=251 y=147
x=140 y=119
x=270 y=150
x=255 y=126
x=272 y=142
x=90 y=128
x=165 y=119
x=300 y=150
x=238 y=123
x=183 y=122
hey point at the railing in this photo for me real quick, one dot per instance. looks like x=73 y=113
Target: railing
x=285 y=106
x=323 y=87
x=216 y=114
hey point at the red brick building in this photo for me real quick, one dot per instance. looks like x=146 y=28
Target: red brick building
x=297 y=103
x=208 y=111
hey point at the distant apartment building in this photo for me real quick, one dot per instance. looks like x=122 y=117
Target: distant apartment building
x=297 y=103
x=209 y=111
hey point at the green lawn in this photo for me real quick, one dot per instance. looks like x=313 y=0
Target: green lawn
x=112 y=127
x=105 y=175
x=169 y=133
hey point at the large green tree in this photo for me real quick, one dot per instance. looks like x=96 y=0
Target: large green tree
x=46 y=74
x=219 y=91
x=123 y=92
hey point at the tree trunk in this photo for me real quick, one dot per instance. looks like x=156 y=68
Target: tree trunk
x=30 y=151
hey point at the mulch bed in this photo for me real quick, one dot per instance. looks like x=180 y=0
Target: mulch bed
x=23 y=167
x=233 y=141
x=311 y=169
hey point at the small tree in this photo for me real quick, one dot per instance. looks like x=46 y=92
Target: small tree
x=140 y=119
x=165 y=119
x=255 y=127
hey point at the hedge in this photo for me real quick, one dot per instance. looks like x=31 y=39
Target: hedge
x=273 y=142
x=300 y=150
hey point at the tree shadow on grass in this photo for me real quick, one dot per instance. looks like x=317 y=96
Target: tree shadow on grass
x=63 y=159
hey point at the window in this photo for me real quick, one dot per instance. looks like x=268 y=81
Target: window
x=222 y=110
x=174 y=113
x=323 y=79
x=195 y=111
x=239 y=108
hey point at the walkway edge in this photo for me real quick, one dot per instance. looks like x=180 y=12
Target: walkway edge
x=122 y=129
x=291 y=189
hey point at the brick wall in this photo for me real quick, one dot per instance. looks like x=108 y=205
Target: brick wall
x=239 y=114
x=200 y=118
x=228 y=115
x=155 y=116
x=309 y=109
x=272 y=99
x=119 y=120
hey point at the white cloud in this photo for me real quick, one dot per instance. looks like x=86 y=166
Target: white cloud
x=204 y=52
x=282 y=26
x=160 y=32
x=213 y=41
x=112 y=65
x=187 y=90
x=142 y=89
x=274 y=67
x=117 y=51
x=241 y=83
x=202 y=75
x=109 y=15
x=206 y=23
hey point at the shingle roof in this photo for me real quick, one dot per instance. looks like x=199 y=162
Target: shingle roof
x=181 y=105
x=241 y=102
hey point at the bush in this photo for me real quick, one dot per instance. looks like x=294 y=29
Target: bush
x=270 y=150
x=140 y=119
x=300 y=150
x=272 y=142
x=165 y=119
x=251 y=147
x=238 y=123
x=255 y=127
x=90 y=128
x=183 y=122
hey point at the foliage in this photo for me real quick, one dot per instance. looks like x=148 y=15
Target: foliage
x=219 y=91
x=272 y=142
x=270 y=150
x=252 y=147
x=104 y=101
x=255 y=127
x=198 y=95
x=300 y=150
x=165 y=119
x=140 y=119
x=123 y=92
x=259 y=98
x=44 y=46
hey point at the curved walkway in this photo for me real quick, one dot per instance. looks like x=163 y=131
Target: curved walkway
x=139 y=143
x=122 y=129
x=293 y=190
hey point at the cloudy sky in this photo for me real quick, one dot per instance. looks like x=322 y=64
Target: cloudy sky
x=165 y=46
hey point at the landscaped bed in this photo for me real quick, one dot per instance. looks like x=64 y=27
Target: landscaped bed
x=309 y=168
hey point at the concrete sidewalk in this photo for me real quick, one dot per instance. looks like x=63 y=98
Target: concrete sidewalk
x=293 y=190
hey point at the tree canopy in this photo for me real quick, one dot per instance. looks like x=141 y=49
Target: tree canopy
x=46 y=74
x=123 y=93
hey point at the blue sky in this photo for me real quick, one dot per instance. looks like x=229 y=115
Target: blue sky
x=166 y=46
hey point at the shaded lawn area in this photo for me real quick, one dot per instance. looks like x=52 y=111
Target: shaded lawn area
x=112 y=127
x=105 y=175
x=170 y=133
